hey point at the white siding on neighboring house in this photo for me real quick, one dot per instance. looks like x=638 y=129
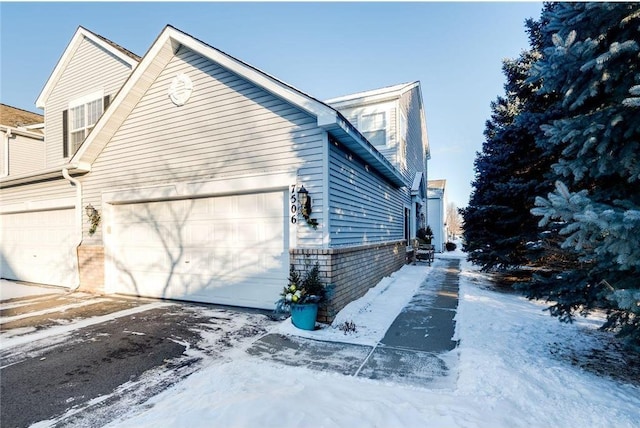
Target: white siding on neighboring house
x=413 y=149
x=406 y=140
x=364 y=208
x=3 y=157
x=406 y=144
x=436 y=210
x=91 y=69
x=25 y=155
x=358 y=117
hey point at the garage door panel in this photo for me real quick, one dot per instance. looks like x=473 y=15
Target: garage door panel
x=40 y=247
x=146 y=259
x=200 y=233
x=229 y=250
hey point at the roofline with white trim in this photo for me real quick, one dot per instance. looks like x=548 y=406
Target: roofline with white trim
x=22 y=131
x=77 y=38
x=374 y=95
x=327 y=117
x=44 y=174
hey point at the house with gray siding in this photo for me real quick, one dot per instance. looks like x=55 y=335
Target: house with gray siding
x=178 y=175
x=22 y=145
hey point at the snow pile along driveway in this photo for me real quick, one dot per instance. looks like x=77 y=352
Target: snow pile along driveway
x=510 y=375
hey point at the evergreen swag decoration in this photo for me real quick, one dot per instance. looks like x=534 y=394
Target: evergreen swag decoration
x=302 y=289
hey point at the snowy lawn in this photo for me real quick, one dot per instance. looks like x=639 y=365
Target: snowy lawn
x=512 y=371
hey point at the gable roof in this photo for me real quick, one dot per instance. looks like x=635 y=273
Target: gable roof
x=15 y=117
x=159 y=55
x=374 y=95
x=388 y=93
x=436 y=188
x=81 y=34
x=436 y=184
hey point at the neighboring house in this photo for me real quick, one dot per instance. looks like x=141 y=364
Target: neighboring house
x=190 y=163
x=436 y=207
x=393 y=121
x=22 y=146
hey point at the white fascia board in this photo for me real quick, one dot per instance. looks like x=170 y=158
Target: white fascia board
x=374 y=95
x=34 y=126
x=45 y=174
x=23 y=132
x=256 y=76
x=77 y=38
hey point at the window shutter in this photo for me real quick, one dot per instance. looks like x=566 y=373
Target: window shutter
x=105 y=102
x=65 y=133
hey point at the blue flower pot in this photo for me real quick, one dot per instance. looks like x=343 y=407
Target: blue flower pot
x=304 y=315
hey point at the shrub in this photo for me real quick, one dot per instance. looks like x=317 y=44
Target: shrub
x=450 y=246
x=425 y=234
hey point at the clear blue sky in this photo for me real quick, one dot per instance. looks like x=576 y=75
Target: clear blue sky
x=324 y=49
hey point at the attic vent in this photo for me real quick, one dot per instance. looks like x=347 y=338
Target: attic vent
x=180 y=89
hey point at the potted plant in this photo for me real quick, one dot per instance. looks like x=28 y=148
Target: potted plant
x=302 y=297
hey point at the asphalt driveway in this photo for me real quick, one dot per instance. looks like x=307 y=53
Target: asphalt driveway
x=77 y=359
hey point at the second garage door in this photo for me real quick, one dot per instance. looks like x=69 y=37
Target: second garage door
x=39 y=246
x=229 y=250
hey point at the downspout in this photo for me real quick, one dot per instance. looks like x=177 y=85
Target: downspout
x=5 y=142
x=78 y=212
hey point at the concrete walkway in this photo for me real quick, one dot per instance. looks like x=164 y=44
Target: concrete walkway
x=415 y=349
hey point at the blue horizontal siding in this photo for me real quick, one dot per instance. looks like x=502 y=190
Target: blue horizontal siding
x=363 y=207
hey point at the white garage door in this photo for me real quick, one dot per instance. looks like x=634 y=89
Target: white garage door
x=229 y=250
x=39 y=247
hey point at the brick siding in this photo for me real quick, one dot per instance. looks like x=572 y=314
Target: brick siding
x=91 y=262
x=352 y=270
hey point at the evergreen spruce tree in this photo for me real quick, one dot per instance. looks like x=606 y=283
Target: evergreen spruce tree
x=499 y=229
x=593 y=68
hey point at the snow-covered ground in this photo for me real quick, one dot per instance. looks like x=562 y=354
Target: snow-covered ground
x=514 y=369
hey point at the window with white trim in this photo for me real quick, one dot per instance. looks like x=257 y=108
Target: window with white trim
x=81 y=117
x=374 y=127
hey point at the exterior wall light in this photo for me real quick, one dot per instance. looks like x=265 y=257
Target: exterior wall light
x=305 y=202
x=305 y=207
x=90 y=210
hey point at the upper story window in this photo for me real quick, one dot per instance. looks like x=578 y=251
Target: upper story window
x=374 y=127
x=80 y=119
x=83 y=118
